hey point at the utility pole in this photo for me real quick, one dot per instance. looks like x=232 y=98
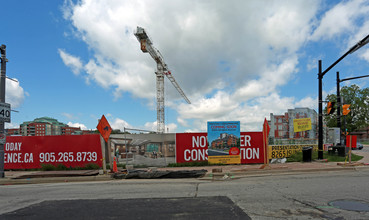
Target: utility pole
x=338 y=102
x=321 y=74
x=320 y=113
x=2 y=100
x=339 y=99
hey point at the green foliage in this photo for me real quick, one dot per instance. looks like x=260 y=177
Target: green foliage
x=47 y=167
x=91 y=166
x=331 y=158
x=61 y=167
x=359 y=114
x=190 y=164
x=50 y=167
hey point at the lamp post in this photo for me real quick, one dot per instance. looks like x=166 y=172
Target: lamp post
x=321 y=74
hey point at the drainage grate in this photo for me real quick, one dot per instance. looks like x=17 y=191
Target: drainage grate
x=350 y=205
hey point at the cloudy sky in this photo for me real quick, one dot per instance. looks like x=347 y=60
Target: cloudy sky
x=235 y=60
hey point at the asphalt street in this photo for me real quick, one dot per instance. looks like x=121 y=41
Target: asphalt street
x=220 y=207
x=294 y=196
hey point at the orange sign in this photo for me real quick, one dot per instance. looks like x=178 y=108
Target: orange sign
x=104 y=128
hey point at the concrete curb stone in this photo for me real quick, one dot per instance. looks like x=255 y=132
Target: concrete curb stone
x=227 y=172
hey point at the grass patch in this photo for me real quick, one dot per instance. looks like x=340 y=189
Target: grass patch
x=196 y=164
x=47 y=167
x=190 y=164
x=331 y=158
x=51 y=167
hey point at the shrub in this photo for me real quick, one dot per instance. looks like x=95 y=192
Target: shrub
x=47 y=167
x=91 y=166
x=190 y=164
x=61 y=167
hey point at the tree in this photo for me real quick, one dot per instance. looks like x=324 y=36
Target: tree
x=359 y=114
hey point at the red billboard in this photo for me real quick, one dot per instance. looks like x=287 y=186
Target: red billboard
x=192 y=147
x=28 y=152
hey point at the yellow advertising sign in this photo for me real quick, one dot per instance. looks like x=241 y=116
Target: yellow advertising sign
x=283 y=151
x=301 y=124
x=226 y=159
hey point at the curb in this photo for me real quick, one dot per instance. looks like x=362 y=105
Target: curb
x=225 y=175
x=8 y=181
x=269 y=172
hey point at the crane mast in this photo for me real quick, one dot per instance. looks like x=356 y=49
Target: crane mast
x=161 y=71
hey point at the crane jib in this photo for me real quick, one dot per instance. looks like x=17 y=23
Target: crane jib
x=146 y=46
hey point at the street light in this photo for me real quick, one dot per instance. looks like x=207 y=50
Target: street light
x=321 y=73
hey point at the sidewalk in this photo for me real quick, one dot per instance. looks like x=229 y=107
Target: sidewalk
x=220 y=172
x=213 y=172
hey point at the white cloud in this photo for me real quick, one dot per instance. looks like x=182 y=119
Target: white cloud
x=229 y=57
x=68 y=115
x=77 y=125
x=308 y=102
x=342 y=18
x=71 y=61
x=11 y=125
x=14 y=94
x=119 y=124
x=152 y=126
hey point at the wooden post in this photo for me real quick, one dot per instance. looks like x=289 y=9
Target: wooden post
x=103 y=146
x=350 y=143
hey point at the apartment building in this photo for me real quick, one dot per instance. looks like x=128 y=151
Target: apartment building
x=46 y=126
x=281 y=126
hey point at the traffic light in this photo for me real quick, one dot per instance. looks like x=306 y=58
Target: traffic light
x=330 y=108
x=346 y=109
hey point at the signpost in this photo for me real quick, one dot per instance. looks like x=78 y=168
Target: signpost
x=4 y=117
x=351 y=141
x=4 y=112
x=105 y=130
x=2 y=138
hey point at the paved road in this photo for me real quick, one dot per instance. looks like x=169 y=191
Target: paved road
x=302 y=196
x=364 y=152
x=219 y=207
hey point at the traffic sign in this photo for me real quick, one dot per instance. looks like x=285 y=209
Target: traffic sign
x=104 y=128
x=2 y=138
x=4 y=112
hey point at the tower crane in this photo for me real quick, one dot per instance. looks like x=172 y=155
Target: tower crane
x=162 y=69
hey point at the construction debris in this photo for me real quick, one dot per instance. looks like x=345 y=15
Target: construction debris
x=149 y=174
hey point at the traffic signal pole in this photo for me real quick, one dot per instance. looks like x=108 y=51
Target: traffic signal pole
x=338 y=101
x=320 y=116
x=2 y=100
x=321 y=74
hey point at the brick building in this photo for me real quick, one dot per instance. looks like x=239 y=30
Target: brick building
x=224 y=140
x=13 y=131
x=281 y=126
x=45 y=126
